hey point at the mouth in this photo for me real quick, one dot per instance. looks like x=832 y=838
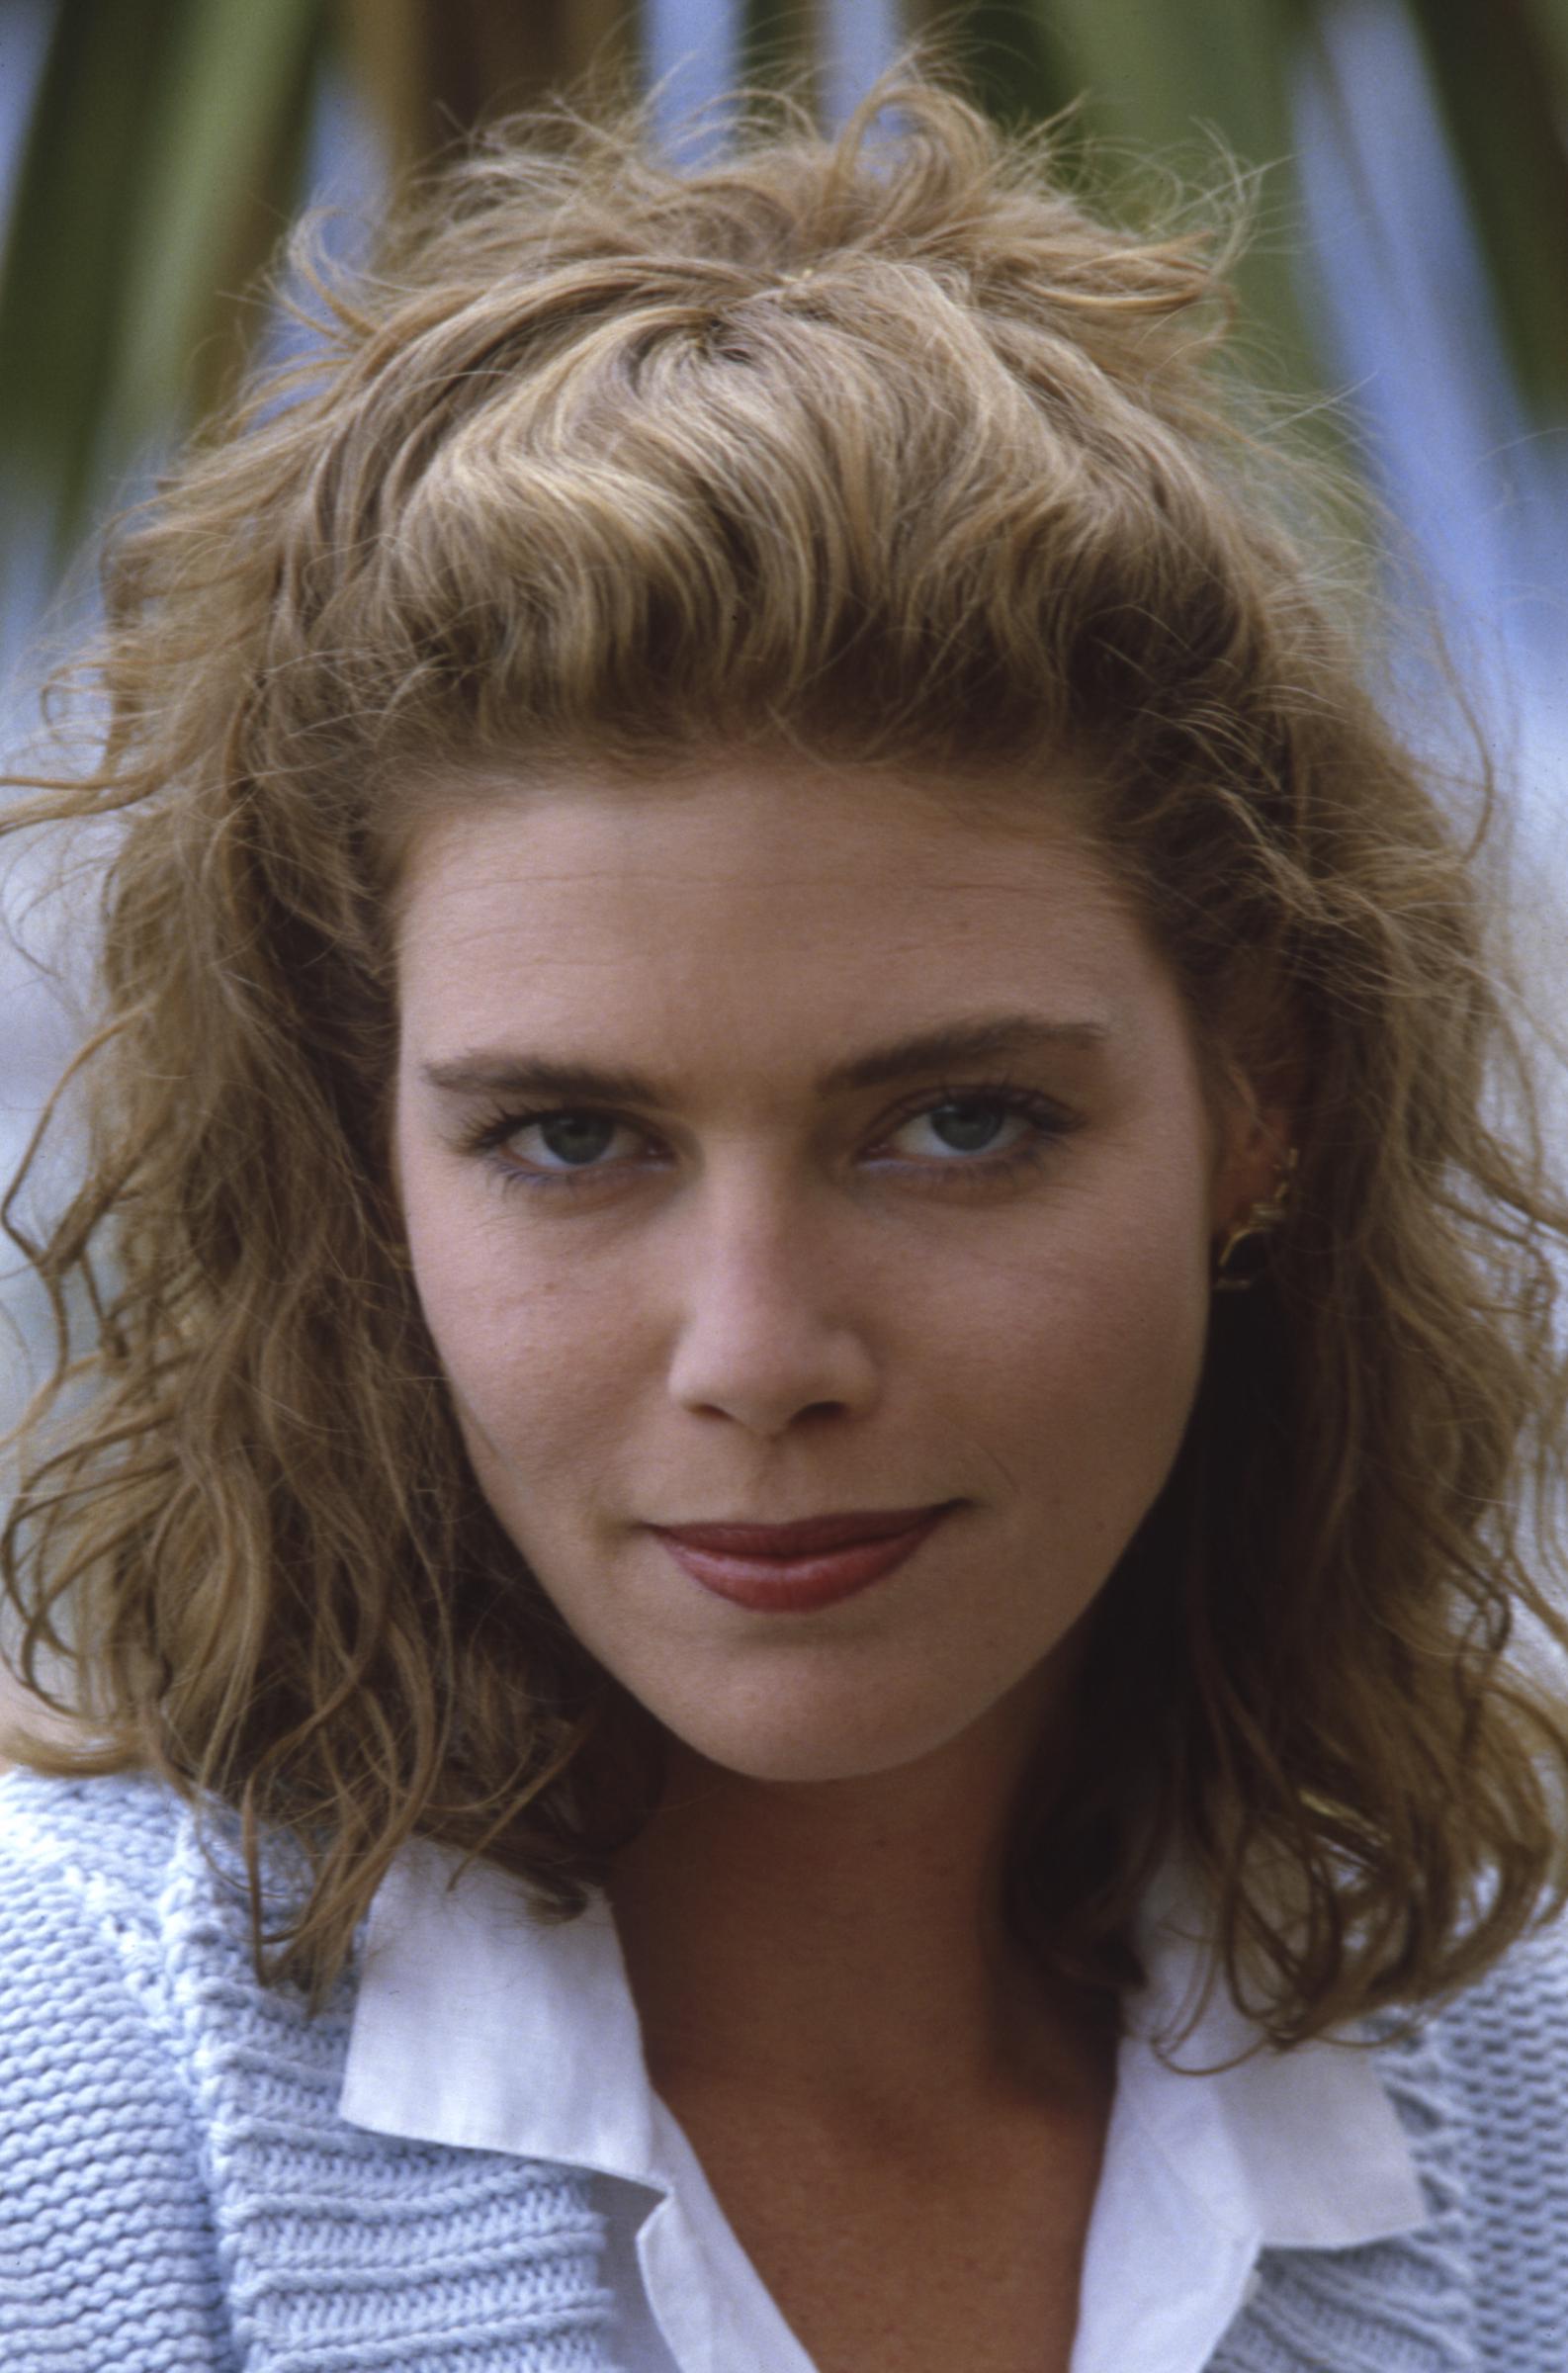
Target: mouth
x=798 y=1567
x=805 y=1535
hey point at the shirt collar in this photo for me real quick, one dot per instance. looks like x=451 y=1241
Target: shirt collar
x=1300 y=2148
x=479 y=2024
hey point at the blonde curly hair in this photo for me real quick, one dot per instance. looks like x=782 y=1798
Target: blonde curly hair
x=887 y=448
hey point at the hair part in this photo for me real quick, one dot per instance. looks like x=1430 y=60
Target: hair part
x=892 y=452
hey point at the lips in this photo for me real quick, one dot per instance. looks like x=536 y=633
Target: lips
x=801 y=1539
x=824 y=1559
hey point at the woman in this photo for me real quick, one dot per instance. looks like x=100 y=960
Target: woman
x=817 y=1358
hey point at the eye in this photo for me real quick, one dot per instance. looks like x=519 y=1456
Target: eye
x=975 y=1133
x=558 y=1144
x=970 y=1124
x=983 y=1131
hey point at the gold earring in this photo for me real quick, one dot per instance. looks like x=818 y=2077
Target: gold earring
x=1254 y=1226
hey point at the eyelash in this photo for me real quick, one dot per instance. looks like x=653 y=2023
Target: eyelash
x=488 y=1134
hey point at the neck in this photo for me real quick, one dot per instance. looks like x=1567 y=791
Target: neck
x=839 y=1940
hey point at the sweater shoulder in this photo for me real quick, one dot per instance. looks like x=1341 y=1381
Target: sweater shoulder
x=1501 y=2049
x=1481 y=2079
x=115 y=1835
x=1513 y=2022
x=107 y=2231
x=83 y=1865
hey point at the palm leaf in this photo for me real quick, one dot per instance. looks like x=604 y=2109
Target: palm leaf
x=218 y=186
x=162 y=139
x=165 y=154
x=164 y=157
x=1164 y=74
x=1015 y=61
x=62 y=275
x=434 y=69
x=1501 y=73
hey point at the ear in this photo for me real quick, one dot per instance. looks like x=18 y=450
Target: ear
x=1256 y=1141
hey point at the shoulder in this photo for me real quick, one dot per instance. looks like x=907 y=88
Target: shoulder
x=89 y=1838
x=1503 y=2049
x=105 y=2228
x=1482 y=2092
x=1523 y=1997
x=124 y=1928
x=177 y=2169
x=82 y=1866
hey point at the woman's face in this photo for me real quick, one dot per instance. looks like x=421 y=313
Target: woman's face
x=785 y=1261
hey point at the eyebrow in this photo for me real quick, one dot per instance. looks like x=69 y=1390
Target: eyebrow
x=986 y=1036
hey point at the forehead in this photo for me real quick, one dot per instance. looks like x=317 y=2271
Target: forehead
x=771 y=895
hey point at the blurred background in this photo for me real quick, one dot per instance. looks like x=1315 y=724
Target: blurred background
x=1409 y=276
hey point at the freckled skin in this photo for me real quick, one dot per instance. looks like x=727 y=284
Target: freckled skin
x=771 y=1303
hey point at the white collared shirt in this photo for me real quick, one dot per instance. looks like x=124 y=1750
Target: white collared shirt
x=478 y=2025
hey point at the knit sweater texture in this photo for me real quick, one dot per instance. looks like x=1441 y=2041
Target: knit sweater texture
x=178 y=2193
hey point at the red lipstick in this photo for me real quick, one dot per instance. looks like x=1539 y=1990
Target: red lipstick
x=791 y=1569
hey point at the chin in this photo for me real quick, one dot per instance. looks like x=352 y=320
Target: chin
x=800 y=1762
x=808 y=1746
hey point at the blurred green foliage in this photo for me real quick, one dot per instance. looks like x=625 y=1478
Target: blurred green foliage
x=167 y=150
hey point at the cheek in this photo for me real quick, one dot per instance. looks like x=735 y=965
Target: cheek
x=536 y=1369
x=1095 y=1354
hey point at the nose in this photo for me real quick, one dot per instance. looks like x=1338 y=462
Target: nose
x=766 y=1334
